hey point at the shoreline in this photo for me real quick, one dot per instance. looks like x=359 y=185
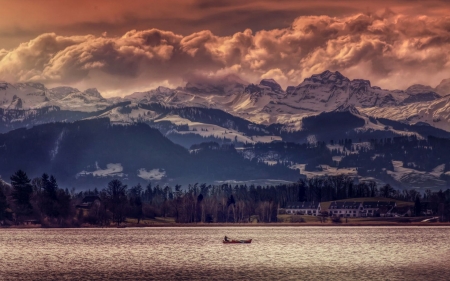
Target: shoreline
x=181 y=225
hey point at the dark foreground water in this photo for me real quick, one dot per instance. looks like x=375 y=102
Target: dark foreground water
x=277 y=253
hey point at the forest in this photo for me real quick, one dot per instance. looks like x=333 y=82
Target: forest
x=41 y=200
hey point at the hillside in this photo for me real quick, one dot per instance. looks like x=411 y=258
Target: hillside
x=89 y=153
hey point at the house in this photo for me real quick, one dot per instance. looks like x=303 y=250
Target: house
x=31 y=222
x=426 y=209
x=403 y=211
x=303 y=208
x=345 y=209
x=377 y=208
x=88 y=201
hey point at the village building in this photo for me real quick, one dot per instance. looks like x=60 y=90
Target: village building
x=303 y=208
x=88 y=201
x=31 y=222
x=345 y=209
x=377 y=208
x=403 y=211
x=426 y=209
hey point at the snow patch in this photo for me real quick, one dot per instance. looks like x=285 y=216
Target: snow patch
x=416 y=178
x=112 y=169
x=326 y=171
x=54 y=152
x=155 y=174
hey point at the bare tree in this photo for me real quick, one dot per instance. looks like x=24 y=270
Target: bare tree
x=116 y=200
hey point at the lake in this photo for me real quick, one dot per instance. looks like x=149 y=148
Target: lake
x=197 y=253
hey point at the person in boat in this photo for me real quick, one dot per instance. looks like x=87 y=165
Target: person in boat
x=226 y=239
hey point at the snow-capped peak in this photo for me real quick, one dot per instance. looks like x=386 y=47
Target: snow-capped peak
x=327 y=77
x=272 y=84
x=37 y=86
x=61 y=92
x=93 y=92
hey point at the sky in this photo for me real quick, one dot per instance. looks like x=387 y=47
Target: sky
x=124 y=46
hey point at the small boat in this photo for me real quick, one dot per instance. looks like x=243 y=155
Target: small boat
x=238 y=241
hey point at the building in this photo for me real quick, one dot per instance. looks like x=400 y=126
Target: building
x=377 y=208
x=31 y=222
x=303 y=208
x=345 y=209
x=403 y=211
x=361 y=209
x=88 y=201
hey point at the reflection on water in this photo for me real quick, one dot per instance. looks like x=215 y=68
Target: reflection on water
x=276 y=253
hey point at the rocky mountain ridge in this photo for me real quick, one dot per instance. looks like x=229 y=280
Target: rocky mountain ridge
x=263 y=103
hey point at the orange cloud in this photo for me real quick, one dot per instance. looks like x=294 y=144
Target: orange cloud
x=392 y=50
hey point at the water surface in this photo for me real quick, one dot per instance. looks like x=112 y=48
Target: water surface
x=276 y=253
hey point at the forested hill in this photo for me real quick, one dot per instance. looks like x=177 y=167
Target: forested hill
x=90 y=153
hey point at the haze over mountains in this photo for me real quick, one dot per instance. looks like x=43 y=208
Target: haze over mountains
x=324 y=107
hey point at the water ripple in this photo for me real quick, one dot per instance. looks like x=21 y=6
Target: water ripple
x=276 y=253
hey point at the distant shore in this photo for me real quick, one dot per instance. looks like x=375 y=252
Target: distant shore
x=275 y=224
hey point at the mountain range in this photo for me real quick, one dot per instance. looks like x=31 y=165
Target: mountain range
x=324 y=107
x=263 y=103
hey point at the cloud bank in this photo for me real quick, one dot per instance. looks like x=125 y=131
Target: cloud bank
x=392 y=50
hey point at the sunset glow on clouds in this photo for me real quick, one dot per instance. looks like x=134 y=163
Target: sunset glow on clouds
x=393 y=50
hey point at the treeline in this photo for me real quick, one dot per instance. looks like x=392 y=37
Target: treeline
x=42 y=200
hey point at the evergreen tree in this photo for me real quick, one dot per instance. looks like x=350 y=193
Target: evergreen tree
x=21 y=193
x=231 y=200
x=417 y=206
x=3 y=204
x=48 y=201
x=136 y=202
x=22 y=188
x=52 y=188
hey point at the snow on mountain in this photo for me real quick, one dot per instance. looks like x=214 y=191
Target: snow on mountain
x=268 y=103
x=112 y=170
x=435 y=113
x=131 y=114
x=134 y=113
x=22 y=95
x=36 y=95
x=208 y=130
x=414 y=177
x=156 y=95
x=58 y=93
x=154 y=174
x=89 y=100
x=330 y=90
x=263 y=103
x=420 y=93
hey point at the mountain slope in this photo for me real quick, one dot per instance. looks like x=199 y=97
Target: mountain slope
x=91 y=152
x=36 y=95
x=435 y=113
